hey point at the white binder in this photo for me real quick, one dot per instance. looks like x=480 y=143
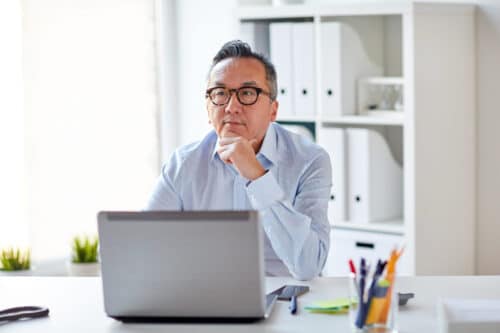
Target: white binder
x=344 y=61
x=333 y=140
x=303 y=65
x=280 y=41
x=375 y=188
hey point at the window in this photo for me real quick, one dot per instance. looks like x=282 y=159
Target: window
x=13 y=224
x=91 y=117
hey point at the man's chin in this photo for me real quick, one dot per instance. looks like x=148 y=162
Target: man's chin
x=227 y=133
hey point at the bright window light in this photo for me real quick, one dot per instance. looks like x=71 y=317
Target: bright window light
x=91 y=115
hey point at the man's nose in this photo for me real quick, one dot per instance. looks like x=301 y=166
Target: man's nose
x=233 y=105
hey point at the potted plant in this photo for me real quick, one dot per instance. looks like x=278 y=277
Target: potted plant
x=84 y=257
x=14 y=261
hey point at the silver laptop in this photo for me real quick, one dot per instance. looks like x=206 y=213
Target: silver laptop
x=183 y=266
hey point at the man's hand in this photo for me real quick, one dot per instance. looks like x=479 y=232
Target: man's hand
x=241 y=153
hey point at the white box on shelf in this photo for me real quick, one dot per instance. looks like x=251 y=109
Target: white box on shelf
x=380 y=96
x=375 y=179
x=343 y=61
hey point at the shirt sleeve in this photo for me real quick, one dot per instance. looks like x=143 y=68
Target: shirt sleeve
x=165 y=195
x=298 y=232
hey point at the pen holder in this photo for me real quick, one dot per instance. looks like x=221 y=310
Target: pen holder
x=377 y=309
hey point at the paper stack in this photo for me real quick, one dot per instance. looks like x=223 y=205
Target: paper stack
x=469 y=315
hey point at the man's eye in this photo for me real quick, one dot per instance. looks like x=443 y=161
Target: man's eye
x=248 y=92
x=219 y=93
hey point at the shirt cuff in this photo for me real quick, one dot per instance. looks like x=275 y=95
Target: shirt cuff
x=264 y=192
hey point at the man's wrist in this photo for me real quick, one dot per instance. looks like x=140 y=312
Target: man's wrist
x=259 y=173
x=264 y=191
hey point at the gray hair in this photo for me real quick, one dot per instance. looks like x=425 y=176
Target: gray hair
x=240 y=49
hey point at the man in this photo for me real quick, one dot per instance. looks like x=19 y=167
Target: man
x=250 y=162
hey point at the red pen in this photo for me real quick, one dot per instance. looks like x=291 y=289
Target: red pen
x=352 y=267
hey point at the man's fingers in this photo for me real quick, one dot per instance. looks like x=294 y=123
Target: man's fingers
x=223 y=148
x=227 y=140
x=225 y=155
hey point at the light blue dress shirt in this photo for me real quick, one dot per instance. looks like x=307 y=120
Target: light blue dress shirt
x=292 y=196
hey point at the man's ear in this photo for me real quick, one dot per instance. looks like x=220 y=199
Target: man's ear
x=274 y=110
x=208 y=113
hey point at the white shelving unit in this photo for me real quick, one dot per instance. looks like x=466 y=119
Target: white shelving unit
x=428 y=49
x=386 y=120
x=395 y=227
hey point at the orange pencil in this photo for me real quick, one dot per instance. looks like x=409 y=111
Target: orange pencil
x=390 y=275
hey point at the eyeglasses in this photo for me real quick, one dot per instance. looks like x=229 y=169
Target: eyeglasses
x=246 y=95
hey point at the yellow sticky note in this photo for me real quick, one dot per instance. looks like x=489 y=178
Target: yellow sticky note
x=339 y=305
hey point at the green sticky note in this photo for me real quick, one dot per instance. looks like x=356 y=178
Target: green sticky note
x=339 y=305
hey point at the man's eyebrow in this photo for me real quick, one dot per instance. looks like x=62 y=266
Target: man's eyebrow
x=249 y=83
x=244 y=84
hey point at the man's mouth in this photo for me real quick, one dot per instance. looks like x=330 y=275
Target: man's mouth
x=232 y=122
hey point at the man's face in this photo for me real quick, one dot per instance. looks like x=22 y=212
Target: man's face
x=234 y=118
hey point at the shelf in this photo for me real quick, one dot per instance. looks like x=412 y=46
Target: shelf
x=308 y=11
x=301 y=119
x=389 y=227
x=388 y=120
x=383 y=80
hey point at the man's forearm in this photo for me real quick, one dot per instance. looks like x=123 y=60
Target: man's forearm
x=301 y=240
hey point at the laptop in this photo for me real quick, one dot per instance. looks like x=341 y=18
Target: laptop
x=196 y=266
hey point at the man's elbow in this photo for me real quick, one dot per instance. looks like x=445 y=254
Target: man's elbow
x=308 y=265
x=305 y=273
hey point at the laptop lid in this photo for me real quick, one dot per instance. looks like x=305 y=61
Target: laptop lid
x=204 y=264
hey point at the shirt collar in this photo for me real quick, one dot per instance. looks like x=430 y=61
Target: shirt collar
x=267 y=150
x=214 y=152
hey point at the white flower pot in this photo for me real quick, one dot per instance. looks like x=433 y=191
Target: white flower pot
x=23 y=272
x=84 y=269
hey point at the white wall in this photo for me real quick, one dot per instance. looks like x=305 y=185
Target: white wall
x=488 y=71
x=203 y=27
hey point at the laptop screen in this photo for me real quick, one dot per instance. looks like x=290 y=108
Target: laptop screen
x=182 y=264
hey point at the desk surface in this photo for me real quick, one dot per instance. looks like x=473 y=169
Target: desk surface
x=76 y=305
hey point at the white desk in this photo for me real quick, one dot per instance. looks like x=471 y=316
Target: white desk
x=76 y=305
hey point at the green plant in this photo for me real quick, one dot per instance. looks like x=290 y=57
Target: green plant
x=15 y=259
x=85 y=249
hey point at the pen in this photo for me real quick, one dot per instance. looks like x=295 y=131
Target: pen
x=377 y=302
x=360 y=318
x=372 y=291
x=353 y=272
x=293 y=305
x=352 y=267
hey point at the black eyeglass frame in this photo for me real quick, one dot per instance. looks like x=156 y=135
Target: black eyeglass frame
x=231 y=91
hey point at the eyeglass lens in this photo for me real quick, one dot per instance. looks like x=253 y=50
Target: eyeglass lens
x=245 y=95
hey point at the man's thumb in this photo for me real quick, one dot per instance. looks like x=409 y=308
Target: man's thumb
x=255 y=144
